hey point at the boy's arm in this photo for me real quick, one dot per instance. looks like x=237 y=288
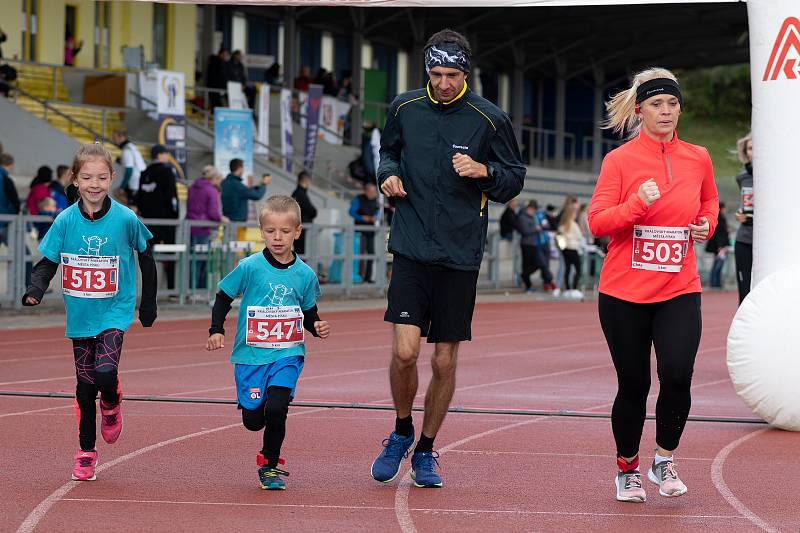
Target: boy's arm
x=310 y=316
x=222 y=306
x=148 y=306
x=41 y=275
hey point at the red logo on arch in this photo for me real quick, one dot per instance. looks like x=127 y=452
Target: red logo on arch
x=780 y=59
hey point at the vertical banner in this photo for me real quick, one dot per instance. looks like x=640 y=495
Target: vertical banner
x=236 y=97
x=233 y=138
x=287 y=148
x=775 y=82
x=170 y=93
x=171 y=109
x=172 y=134
x=262 y=107
x=312 y=124
x=332 y=116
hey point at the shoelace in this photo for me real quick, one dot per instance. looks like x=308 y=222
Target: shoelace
x=393 y=448
x=668 y=471
x=633 y=481
x=85 y=461
x=275 y=472
x=110 y=419
x=428 y=460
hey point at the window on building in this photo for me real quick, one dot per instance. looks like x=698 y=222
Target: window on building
x=30 y=25
x=102 y=16
x=160 y=24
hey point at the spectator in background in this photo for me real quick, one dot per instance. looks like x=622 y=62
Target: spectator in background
x=58 y=189
x=2 y=40
x=158 y=198
x=70 y=48
x=236 y=71
x=45 y=207
x=215 y=76
x=743 y=249
x=203 y=204
x=235 y=194
x=273 y=75
x=132 y=164
x=71 y=190
x=9 y=199
x=302 y=81
x=307 y=210
x=365 y=211
x=508 y=221
x=571 y=240
x=531 y=229
x=717 y=245
x=39 y=189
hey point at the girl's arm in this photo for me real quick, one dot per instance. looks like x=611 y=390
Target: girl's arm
x=41 y=275
x=148 y=307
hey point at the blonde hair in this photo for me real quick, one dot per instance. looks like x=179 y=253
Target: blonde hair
x=210 y=172
x=278 y=205
x=741 y=148
x=621 y=108
x=87 y=152
x=569 y=213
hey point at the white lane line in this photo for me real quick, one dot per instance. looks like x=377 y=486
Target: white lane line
x=722 y=487
x=387 y=508
x=32 y=411
x=553 y=454
x=35 y=516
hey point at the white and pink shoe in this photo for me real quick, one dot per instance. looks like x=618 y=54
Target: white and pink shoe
x=664 y=475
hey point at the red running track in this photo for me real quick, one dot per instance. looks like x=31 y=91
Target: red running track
x=189 y=466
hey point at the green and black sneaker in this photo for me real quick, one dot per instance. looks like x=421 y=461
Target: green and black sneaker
x=270 y=478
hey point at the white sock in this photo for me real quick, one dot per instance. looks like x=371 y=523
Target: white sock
x=660 y=458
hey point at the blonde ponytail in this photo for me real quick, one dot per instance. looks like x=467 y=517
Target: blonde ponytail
x=621 y=108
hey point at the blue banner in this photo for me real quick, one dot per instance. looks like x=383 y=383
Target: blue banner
x=172 y=134
x=233 y=138
x=312 y=124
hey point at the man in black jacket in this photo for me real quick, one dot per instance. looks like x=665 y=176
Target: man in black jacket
x=158 y=198
x=307 y=210
x=445 y=152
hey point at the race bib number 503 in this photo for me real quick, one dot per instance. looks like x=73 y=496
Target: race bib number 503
x=274 y=327
x=89 y=276
x=659 y=248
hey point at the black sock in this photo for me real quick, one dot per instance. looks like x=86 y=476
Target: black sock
x=425 y=444
x=404 y=426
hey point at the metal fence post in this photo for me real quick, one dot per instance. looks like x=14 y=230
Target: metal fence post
x=55 y=83
x=348 y=240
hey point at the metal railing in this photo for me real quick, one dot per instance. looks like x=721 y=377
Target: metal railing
x=539 y=146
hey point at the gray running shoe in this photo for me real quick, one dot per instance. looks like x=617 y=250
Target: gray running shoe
x=629 y=487
x=664 y=475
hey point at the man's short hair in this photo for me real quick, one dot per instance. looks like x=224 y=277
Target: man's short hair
x=6 y=159
x=61 y=170
x=450 y=36
x=236 y=164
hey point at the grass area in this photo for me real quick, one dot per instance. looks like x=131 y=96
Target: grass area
x=719 y=136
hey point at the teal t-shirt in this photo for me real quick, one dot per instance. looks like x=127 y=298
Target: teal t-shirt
x=262 y=285
x=98 y=267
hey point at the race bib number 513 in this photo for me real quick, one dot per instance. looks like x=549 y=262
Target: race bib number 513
x=89 y=276
x=274 y=327
x=659 y=248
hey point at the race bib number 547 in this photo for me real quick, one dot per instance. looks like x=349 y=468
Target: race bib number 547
x=659 y=248
x=274 y=327
x=89 y=276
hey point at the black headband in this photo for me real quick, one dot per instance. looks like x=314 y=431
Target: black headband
x=658 y=86
x=448 y=55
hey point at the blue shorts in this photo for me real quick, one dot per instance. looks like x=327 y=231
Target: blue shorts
x=252 y=381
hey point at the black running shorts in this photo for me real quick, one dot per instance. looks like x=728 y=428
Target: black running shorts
x=438 y=300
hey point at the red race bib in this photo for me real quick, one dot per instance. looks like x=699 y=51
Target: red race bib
x=747 y=199
x=659 y=248
x=89 y=276
x=274 y=327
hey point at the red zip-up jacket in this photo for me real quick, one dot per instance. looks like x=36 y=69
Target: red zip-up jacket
x=685 y=179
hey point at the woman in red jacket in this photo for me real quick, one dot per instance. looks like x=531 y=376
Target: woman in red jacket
x=654 y=197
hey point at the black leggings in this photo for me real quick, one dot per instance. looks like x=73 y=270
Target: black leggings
x=96 y=366
x=272 y=415
x=673 y=327
x=571 y=260
x=744 y=267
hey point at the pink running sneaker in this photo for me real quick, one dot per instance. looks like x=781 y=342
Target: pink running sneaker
x=629 y=481
x=664 y=475
x=85 y=463
x=110 y=421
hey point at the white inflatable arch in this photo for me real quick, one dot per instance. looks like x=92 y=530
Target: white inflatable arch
x=764 y=339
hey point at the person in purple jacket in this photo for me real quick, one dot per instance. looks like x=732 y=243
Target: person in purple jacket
x=203 y=204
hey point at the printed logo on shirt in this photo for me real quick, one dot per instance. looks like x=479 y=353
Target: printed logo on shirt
x=460 y=147
x=785 y=56
x=404 y=314
x=279 y=292
x=93 y=245
x=255 y=393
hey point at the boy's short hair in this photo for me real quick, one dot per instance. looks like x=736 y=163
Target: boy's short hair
x=6 y=159
x=44 y=202
x=280 y=204
x=235 y=164
x=61 y=170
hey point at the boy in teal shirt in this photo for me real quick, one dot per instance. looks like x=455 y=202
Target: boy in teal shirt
x=279 y=300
